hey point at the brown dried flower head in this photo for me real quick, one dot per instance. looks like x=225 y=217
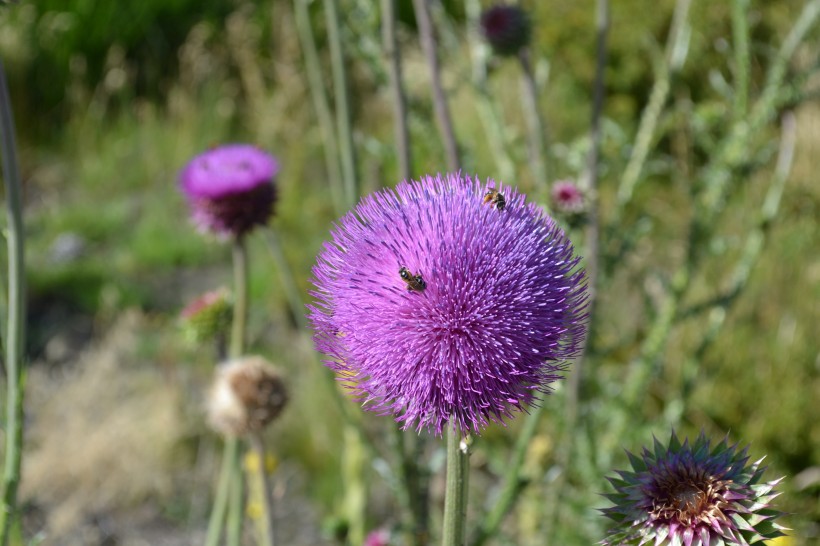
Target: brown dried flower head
x=247 y=394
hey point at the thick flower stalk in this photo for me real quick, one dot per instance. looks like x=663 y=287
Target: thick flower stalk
x=230 y=189
x=692 y=495
x=448 y=301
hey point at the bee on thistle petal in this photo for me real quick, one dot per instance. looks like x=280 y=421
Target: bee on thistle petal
x=494 y=198
x=414 y=282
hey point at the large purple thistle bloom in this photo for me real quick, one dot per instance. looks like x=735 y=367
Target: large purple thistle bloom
x=230 y=188
x=692 y=495
x=495 y=304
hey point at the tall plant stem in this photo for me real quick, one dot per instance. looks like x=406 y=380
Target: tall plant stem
x=455 y=493
x=590 y=184
x=676 y=47
x=494 y=129
x=220 y=507
x=16 y=325
x=535 y=122
x=344 y=129
x=445 y=123
x=228 y=500
x=264 y=492
x=740 y=44
x=321 y=103
x=748 y=258
x=412 y=491
x=240 y=295
x=514 y=482
x=392 y=54
x=592 y=235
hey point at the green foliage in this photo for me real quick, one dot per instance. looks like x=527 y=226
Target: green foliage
x=106 y=172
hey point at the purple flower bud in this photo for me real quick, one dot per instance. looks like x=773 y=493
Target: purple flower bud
x=567 y=197
x=230 y=189
x=506 y=28
x=692 y=495
x=437 y=305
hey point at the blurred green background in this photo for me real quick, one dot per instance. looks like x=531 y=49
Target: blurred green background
x=111 y=99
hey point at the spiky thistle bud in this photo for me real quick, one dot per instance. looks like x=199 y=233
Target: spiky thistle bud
x=247 y=394
x=506 y=28
x=230 y=189
x=208 y=317
x=692 y=495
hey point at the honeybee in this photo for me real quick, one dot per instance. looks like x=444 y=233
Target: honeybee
x=414 y=282
x=494 y=198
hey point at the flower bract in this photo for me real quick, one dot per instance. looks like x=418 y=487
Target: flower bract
x=439 y=302
x=692 y=495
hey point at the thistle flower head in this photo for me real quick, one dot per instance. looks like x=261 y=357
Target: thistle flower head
x=439 y=302
x=230 y=189
x=247 y=394
x=692 y=495
x=567 y=197
x=506 y=28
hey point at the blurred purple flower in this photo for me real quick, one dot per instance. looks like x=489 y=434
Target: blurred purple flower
x=230 y=189
x=567 y=197
x=692 y=495
x=378 y=537
x=436 y=305
x=506 y=28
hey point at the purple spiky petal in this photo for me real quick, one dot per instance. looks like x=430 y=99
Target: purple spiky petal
x=501 y=307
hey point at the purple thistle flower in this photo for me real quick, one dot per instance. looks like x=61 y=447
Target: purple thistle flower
x=567 y=197
x=230 y=189
x=692 y=495
x=437 y=305
x=506 y=28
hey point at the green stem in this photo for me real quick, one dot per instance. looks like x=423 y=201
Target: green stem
x=445 y=123
x=412 y=490
x=321 y=104
x=455 y=494
x=535 y=122
x=657 y=98
x=740 y=38
x=343 y=126
x=514 y=482
x=229 y=488
x=220 y=507
x=235 y=504
x=494 y=130
x=265 y=526
x=393 y=56
x=16 y=326
x=240 y=295
x=297 y=306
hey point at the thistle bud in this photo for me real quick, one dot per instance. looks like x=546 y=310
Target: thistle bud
x=208 y=317
x=506 y=28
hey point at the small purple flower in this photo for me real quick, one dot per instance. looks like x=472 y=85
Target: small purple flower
x=230 y=189
x=567 y=197
x=506 y=28
x=437 y=305
x=378 y=537
x=692 y=495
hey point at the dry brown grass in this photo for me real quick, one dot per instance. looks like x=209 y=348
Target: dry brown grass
x=101 y=435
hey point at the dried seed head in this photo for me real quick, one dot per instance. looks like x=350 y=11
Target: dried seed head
x=247 y=394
